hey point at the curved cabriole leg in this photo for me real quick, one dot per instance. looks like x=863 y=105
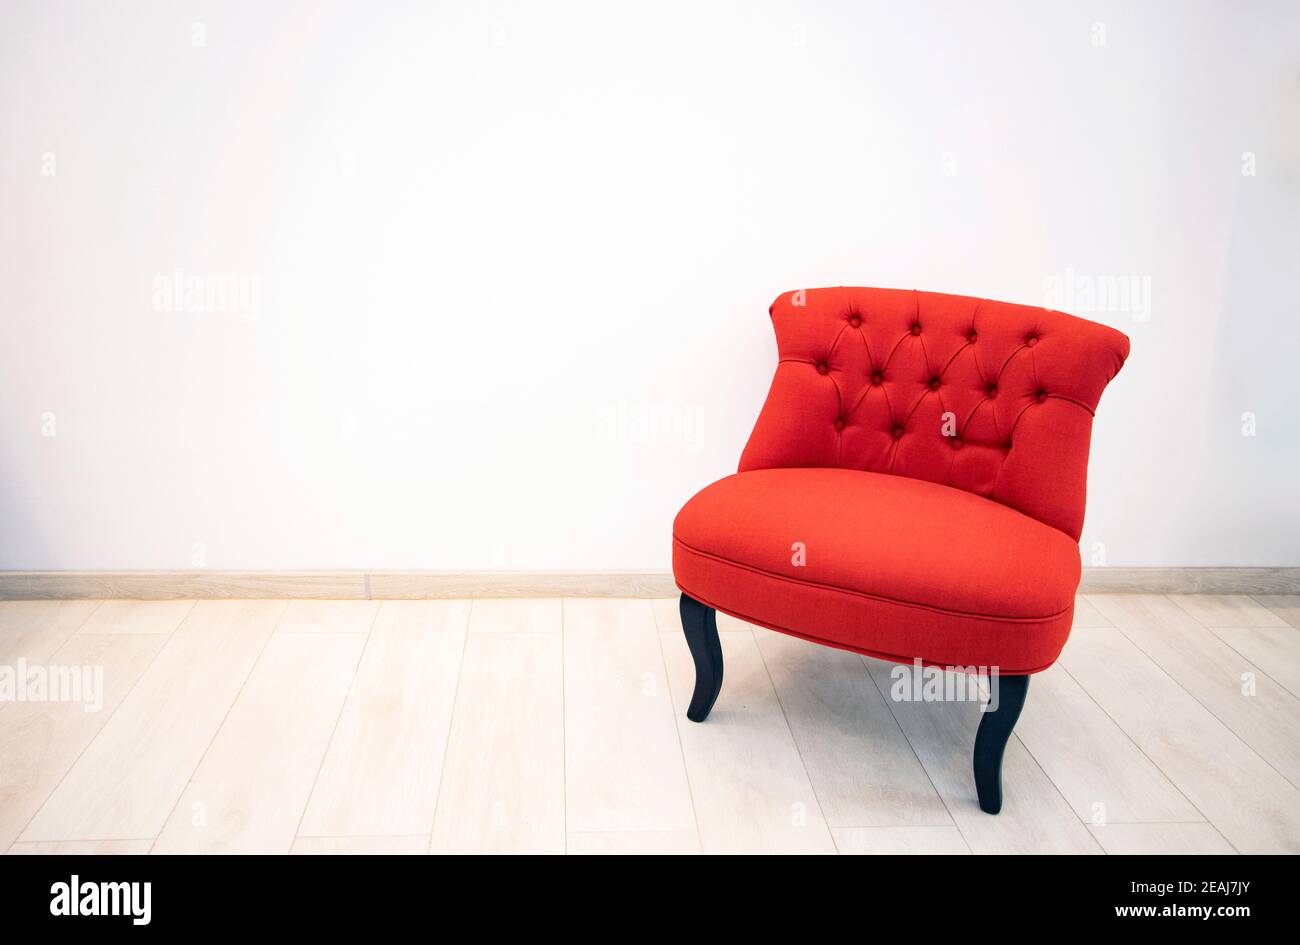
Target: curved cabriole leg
x=991 y=740
x=700 y=624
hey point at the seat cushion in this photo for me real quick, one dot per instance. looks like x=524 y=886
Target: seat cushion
x=892 y=567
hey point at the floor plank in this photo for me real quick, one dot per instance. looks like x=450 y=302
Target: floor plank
x=137 y=616
x=1286 y=606
x=667 y=616
x=33 y=629
x=1275 y=650
x=82 y=848
x=249 y=791
x=1161 y=839
x=1103 y=776
x=329 y=616
x=380 y=774
x=1086 y=616
x=1261 y=712
x=1254 y=807
x=645 y=842
x=860 y=763
x=623 y=762
x=517 y=615
x=127 y=781
x=900 y=840
x=40 y=741
x=1035 y=818
x=360 y=845
x=1219 y=610
x=751 y=791
x=502 y=786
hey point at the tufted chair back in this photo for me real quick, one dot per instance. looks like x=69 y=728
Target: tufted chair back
x=993 y=398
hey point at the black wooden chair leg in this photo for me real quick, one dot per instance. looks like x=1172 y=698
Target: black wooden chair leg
x=991 y=740
x=700 y=624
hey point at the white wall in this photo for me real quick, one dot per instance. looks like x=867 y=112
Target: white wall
x=483 y=241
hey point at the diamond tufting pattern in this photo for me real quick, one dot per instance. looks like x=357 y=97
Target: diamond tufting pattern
x=988 y=397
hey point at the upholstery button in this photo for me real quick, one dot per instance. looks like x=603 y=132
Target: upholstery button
x=1041 y=396
x=972 y=338
x=991 y=390
x=898 y=432
x=822 y=367
x=877 y=379
x=1031 y=341
x=916 y=328
x=839 y=424
x=934 y=383
x=956 y=442
x=855 y=321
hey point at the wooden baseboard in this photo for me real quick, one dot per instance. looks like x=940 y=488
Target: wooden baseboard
x=380 y=585
x=1190 y=581
x=333 y=585
x=360 y=585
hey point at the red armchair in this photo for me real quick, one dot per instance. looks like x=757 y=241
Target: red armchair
x=913 y=489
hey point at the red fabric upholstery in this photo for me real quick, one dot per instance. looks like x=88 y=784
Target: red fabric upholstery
x=930 y=453
x=895 y=567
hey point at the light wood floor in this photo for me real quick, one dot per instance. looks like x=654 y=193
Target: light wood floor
x=1171 y=724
